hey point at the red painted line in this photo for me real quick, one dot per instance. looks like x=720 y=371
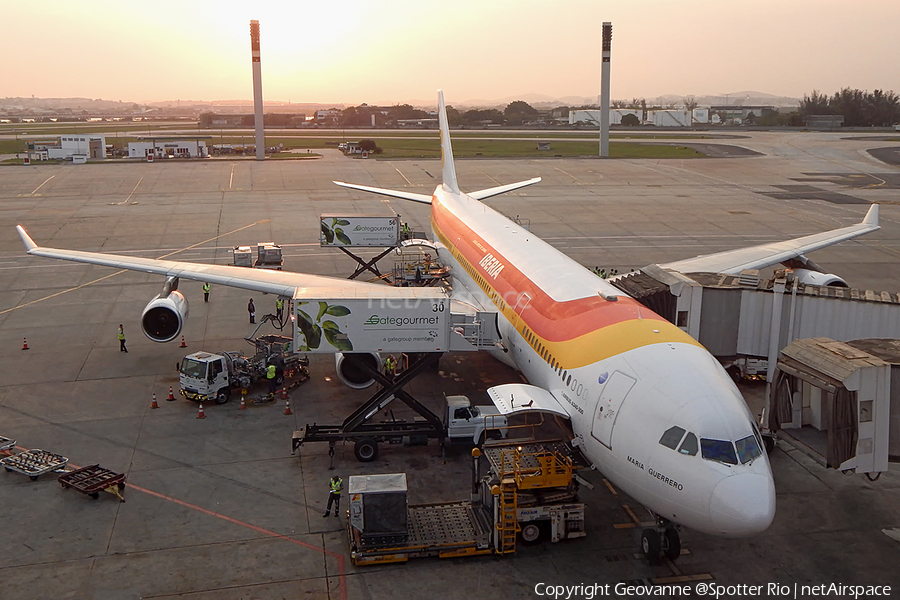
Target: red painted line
x=342 y=574
x=342 y=571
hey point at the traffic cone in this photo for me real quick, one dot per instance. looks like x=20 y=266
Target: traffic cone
x=200 y=414
x=154 y=403
x=24 y=344
x=287 y=407
x=183 y=345
x=171 y=397
x=243 y=404
x=284 y=394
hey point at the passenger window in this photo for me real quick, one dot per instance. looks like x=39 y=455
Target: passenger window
x=689 y=445
x=747 y=449
x=671 y=437
x=718 y=450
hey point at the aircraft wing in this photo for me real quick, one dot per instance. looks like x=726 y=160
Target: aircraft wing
x=385 y=192
x=733 y=262
x=502 y=189
x=516 y=398
x=259 y=280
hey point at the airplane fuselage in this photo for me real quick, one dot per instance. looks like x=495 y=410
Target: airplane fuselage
x=626 y=376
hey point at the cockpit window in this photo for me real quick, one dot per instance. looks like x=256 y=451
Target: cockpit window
x=671 y=437
x=689 y=445
x=747 y=449
x=718 y=450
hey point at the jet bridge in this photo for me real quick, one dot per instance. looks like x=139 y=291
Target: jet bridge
x=743 y=316
x=834 y=401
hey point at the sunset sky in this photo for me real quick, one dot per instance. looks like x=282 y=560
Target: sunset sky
x=390 y=51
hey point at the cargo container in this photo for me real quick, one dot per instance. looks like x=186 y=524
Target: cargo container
x=377 y=320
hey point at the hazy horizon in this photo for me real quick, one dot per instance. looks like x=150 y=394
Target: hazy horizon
x=402 y=50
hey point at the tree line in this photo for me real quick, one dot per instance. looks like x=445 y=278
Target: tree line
x=858 y=107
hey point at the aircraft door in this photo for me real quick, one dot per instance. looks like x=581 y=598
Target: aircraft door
x=608 y=406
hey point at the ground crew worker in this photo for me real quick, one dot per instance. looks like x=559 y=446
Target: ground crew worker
x=122 y=347
x=406 y=231
x=336 y=485
x=252 y=310
x=390 y=365
x=270 y=375
x=279 y=308
x=206 y=292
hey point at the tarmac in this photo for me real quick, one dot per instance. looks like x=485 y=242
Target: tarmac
x=220 y=508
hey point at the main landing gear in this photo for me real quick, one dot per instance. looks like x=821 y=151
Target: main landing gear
x=661 y=541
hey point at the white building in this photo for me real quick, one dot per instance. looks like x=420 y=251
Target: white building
x=669 y=118
x=168 y=149
x=73 y=144
x=592 y=117
x=700 y=115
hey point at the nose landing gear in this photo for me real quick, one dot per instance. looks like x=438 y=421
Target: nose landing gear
x=661 y=541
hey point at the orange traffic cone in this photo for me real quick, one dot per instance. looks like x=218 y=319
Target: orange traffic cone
x=154 y=404
x=287 y=407
x=171 y=397
x=200 y=414
x=284 y=394
x=183 y=345
x=24 y=344
x=243 y=404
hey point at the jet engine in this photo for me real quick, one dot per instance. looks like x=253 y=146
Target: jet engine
x=164 y=317
x=352 y=375
x=807 y=277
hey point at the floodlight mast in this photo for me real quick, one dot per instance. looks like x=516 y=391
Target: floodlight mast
x=604 y=90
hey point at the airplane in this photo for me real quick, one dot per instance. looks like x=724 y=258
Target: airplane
x=649 y=407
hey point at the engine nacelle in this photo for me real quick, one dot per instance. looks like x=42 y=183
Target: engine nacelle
x=350 y=374
x=164 y=317
x=807 y=277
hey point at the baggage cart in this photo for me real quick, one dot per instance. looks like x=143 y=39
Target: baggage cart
x=34 y=463
x=94 y=479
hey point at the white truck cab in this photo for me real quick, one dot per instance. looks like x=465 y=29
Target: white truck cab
x=204 y=376
x=475 y=423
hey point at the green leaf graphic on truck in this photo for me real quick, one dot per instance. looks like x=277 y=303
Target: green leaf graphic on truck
x=314 y=328
x=330 y=232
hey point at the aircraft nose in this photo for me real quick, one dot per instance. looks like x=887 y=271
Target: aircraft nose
x=743 y=504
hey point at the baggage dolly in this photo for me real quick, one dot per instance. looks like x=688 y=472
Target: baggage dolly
x=34 y=462
x=94 y=479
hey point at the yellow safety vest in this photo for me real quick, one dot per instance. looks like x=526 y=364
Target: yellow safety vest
x=206 y=288
x=336 y=486
x=270 y=372
x=279 y=303
x=121 y=334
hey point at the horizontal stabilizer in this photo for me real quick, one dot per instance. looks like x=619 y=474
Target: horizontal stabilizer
x=516 y=398
x=495 y=191
x=732 y=262
x=384 y=192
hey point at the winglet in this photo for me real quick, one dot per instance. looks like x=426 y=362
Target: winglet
x=26 y=239
x=871 y=216
x=448 y=174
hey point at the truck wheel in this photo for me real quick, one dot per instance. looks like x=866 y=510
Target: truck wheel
x=366 y=450
x=222 y=397
x=531 y=533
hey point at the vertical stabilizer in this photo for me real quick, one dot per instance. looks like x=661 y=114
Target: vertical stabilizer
x=448 y=173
